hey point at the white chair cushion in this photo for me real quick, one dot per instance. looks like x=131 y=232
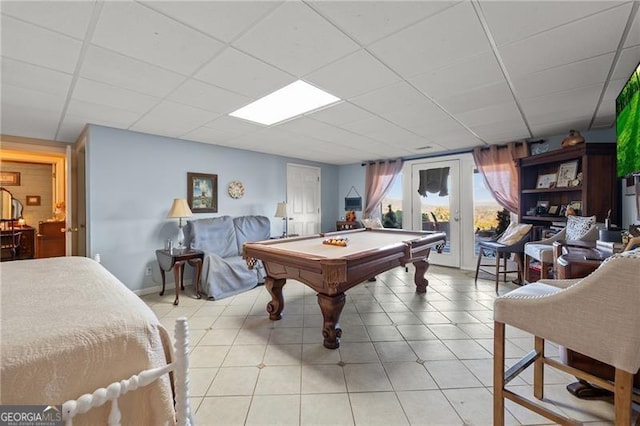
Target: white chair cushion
x=372 y=223
x=578 y=226
x=514 y=233
x=541 y=252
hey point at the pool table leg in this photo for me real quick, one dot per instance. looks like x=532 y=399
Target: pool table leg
x=274 y=287
x=331 y=307
x=419 y=277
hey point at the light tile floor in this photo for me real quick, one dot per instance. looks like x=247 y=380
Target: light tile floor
x=404 y=358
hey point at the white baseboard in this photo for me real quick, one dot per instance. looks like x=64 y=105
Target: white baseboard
x=170 y=286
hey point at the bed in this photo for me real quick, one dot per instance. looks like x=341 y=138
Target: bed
x=69 y=327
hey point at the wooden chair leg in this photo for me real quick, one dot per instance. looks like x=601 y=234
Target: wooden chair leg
x=527 y=272
x=498 y=373
x=520 y=268
x=544 y=270
x=538 y=369
x=478 y=264
x=622 y=398
x=497 y=269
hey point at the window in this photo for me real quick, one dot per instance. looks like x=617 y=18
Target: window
x=392 y=200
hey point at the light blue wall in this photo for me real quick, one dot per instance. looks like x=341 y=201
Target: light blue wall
x=132 y=178
x=348 y=176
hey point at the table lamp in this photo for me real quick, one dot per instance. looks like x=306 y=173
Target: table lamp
x=180 y=209
x=281 y=211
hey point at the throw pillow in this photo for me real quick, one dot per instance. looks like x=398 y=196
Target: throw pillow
x=578 y=226
x=514 y=233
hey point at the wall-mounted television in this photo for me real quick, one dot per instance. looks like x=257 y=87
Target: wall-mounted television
x=628 y=126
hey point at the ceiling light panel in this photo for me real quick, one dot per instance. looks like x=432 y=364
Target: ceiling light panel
x=295 y=99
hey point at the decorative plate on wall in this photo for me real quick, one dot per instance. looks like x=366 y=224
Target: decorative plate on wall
x=235 y=189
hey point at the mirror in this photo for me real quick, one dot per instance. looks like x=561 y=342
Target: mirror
x=10 y=208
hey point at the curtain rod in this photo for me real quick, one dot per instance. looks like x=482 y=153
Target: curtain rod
x=452 y=152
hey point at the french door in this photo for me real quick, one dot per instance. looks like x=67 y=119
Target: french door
x=435 y=205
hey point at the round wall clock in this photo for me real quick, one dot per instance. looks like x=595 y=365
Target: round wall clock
x=235 y=189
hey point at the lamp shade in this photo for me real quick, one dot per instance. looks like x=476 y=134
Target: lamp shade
x=179 y=209
x=281 y=211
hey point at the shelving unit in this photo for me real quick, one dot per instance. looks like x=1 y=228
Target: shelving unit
x=597 y=193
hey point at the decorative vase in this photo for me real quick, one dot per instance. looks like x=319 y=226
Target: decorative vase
x=574 y=138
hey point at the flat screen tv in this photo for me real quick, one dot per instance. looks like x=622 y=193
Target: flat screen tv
x=628 y=126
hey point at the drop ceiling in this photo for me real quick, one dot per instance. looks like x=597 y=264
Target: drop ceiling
x=415 y=77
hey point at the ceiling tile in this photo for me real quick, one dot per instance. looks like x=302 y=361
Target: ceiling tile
x=207 y=97
x=435 y=42
x=353 y=75
x=173 y=119
x=153 y=38
x=235 y=126
x=295 y=38
x=224 y=20
x=118 y=70
x=589 y=37
x=391 y=98
x=70 y=129
x=495 y=113
x=95 y=113
x=38 y=46
x=511 y=21
x=17 y=120
x=33 y=77
x=456 y=140
x=340 y=113
x=565 y=77
x=568 y=105
x=67 y=17
x=627 y=62
x=240 y=73
x=472 y=72
x=15 y=95
x=116 y=97
x=479 y=97
x=209 y=135
x=633 y=39
x=380 y=18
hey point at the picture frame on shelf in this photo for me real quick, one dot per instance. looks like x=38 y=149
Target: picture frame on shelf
x=546 y=181
x=563 y=210
x=542 y=208
x=553 y=210
x=202 y=192
x=567 y=173
x=577 y=206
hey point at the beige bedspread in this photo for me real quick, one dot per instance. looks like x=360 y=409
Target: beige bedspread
x=68 y=327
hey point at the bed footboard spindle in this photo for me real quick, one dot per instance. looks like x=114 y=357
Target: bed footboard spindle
x=184 y=416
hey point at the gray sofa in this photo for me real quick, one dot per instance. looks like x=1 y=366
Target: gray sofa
x=224 y=271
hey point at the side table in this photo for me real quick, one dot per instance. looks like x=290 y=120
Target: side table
x=175 y=259
x=576 y=259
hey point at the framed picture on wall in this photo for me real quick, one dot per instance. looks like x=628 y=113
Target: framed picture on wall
x=33 y=200
x=202 y=192
x=10 y=178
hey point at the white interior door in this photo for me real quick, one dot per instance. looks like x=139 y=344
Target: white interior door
x=303 y=199
x=439 y=210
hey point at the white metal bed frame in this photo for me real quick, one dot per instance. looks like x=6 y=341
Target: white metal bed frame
x=180 y=367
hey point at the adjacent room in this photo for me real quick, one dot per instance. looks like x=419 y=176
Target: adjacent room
x=320 y=212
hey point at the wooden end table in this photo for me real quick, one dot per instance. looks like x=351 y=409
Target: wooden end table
x=175 y=259
x=576 y=259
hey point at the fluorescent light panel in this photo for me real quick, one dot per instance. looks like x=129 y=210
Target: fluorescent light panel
x=292 y=100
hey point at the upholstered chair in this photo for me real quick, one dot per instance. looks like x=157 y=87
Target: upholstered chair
x=578 y=228
x=511 y=242
x=566 y=312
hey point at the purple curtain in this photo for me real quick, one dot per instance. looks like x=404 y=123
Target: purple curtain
x=379 y=176
x=498 y=167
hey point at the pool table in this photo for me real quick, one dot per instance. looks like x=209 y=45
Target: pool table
x=331 y=270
